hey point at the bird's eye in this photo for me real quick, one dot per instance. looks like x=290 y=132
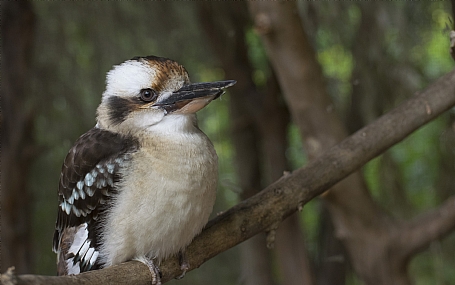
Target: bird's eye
x=148 y=95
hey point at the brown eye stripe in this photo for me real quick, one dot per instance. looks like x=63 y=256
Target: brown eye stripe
x=119 y=108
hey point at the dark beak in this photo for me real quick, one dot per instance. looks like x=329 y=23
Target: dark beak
x=193 y=97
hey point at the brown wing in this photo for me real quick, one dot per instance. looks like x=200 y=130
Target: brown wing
x=87 y=183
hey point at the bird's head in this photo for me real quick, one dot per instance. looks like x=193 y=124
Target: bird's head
x=143 y=92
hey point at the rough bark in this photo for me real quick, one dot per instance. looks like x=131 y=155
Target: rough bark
x=368 y=233
x=266 y=209
x=17 y=135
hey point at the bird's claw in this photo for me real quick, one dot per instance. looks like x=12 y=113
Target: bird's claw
x=184 y=265
x=154 y=270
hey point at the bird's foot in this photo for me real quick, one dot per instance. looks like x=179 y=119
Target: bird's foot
x=154 y=270
x=184 y=265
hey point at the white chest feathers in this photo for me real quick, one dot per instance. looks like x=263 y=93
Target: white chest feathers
x=165 y=198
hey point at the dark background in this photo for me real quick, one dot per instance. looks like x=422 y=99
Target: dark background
x=373 y=55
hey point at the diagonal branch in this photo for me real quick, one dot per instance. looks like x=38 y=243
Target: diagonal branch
x=269 y=207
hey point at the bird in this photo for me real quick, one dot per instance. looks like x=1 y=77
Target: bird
x=141 y=184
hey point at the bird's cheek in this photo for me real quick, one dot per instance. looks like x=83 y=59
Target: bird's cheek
x=148 y=118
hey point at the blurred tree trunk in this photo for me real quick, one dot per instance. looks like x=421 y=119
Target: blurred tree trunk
x=17 y=135
x=231 y=51
x=366 y=104
x=445 y=188
x=364 y=228
x=259 y=126
x=375 y=90
x=293 y=259
x=332 y=264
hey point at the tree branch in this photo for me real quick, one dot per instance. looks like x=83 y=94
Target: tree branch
x=427 y=227
x=285 y=196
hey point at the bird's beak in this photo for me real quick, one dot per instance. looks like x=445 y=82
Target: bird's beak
x=193 y=97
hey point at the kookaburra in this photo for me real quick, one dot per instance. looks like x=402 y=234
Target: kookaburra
x=140 y=184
